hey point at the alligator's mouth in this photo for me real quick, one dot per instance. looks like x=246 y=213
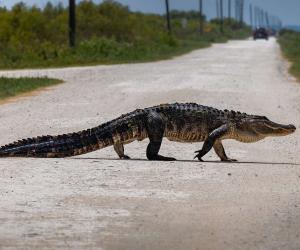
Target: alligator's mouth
x=269 y=128
x=281 y=129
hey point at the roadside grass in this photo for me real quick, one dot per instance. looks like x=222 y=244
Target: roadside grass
x=104 y=50
x=290 y=46
x=10 y=87
x=101 y=51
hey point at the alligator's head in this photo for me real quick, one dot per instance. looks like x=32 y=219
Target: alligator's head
x=255 y=128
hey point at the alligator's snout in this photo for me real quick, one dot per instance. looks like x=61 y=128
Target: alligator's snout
x=288 y=128
x=265 y=128
x=280 y=129
x=292 y=128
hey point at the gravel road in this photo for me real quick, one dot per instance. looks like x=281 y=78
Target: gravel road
x=96 y=201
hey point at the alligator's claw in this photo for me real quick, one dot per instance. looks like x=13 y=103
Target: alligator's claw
x=125 y=157
x=198 y=155
x=229 y=160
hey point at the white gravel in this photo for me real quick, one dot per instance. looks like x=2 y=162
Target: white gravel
x=98 y=202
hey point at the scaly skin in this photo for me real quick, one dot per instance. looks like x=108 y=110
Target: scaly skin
x=187 y=122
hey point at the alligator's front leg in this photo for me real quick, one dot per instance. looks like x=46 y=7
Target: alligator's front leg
x=219 y=149
x=210 y=141
x=155 y=130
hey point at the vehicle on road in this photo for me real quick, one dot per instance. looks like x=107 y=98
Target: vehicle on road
x=260 y=33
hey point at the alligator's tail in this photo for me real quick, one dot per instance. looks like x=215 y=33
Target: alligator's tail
x=124 y=129
x=58 y=146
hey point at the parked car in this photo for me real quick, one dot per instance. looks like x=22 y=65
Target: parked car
x=260 y=33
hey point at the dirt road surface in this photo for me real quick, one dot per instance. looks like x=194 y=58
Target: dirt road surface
x=96 y=201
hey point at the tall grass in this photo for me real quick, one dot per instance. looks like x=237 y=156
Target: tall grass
x=290 y=44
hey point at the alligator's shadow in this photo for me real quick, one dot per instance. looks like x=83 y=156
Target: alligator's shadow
x=189 y=161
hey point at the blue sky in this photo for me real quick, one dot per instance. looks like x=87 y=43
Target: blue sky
x=287 y=10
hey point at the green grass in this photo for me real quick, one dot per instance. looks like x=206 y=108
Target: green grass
x=290 y=45
x=10 y=87
x=106 y=51
x=101 y=51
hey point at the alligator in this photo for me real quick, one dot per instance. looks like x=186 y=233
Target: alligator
x=181 y=122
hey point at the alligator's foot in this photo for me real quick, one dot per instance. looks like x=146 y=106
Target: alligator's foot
x=125 y=157
x=161 y=158
x=199 y=155
x=229 y=160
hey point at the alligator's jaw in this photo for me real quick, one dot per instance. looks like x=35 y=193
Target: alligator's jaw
x=256 y=128
x=270 y=128
x=286 y=129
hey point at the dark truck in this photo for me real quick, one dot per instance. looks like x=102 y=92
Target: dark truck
x=260 y=33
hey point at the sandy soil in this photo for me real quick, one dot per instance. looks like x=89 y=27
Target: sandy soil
x=98 y=202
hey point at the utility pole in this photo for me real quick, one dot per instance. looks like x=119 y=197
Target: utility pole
x=221 y=16
x=238 y=10
x=259 y=17
x=72 y=23
x=255 y=17
x=168 y=17
x=267 y=19
x=242 y=12
x=229 y=10
x=251 y=15
x=218 y=9
x=280 y=24
x=201 y=16
x=262 y=14
x=271 y=20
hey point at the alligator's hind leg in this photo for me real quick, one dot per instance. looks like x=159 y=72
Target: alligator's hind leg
x=155 y=130
x=119 y=148
x=219 y=149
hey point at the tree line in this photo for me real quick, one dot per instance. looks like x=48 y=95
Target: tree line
x=29 y=34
